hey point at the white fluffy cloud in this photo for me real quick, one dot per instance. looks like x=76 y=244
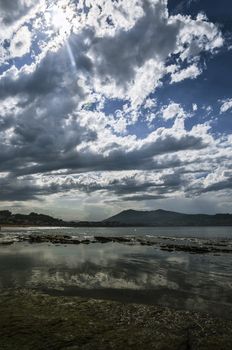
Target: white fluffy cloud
x=190 y=72
x=173 y=110
x=13 y=14
x=226 y=105
x=20 y=43
x=127 y=66
x=194 y=107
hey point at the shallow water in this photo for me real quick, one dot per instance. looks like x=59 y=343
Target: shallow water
x=198 y=231
x=123 y=272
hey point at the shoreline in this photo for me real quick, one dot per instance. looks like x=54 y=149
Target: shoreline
x=75 y=226
x=165 y=243
x=32 y=320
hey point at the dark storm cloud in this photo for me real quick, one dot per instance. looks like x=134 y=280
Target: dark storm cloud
x=6 y=122
x=12 y=10
x=225 y=184
x=150 y=37
x=12 y=189
x=129 y=188
x=129 y=185
x=51 y=75
x=143 y=197
x=56 y=150
x=26 y=188
x=135 y=189
x=44 y=130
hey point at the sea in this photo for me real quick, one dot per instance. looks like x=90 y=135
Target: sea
x=123 y=272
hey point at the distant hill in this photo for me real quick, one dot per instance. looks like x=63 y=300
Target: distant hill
x=125 y=218
x=32 y=219
x=167 y=218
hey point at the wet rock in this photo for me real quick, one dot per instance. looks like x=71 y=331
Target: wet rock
x=101 y=239
x=145 y=242
x=170 y=244
x=194 y=249
x=121 y=239
x=85 y=241
x=54 y=239
x=6 y=242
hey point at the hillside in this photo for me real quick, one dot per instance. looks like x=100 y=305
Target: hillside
x=32 y=219
x=125 y=218
x=168 y=218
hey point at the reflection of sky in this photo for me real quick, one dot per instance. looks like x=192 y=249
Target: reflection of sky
x=175 y=279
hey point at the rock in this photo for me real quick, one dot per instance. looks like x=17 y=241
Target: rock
x=170 y=244
x=101 y=239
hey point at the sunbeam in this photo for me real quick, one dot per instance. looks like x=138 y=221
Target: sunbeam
x=71 y=56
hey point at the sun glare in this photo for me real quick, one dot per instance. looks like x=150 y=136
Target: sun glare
x=59 y=20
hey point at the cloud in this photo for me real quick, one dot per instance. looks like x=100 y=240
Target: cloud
x=173 y=110
x=12 y=11
x=20 y=43
x=129 y=62
x=133 y=64
x=13 y=16
x=59 y=131
x=190 y=72
x=150 y=103
x=226 y=105
x=124 y=185
x=143 y=197
x=194 y=107
x=225 y=184
x=142 y=155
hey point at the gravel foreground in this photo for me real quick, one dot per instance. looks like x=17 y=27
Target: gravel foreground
x=30 y=320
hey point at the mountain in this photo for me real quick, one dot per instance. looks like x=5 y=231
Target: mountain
x=125 y=218
x=33 y=219
x=167 y=218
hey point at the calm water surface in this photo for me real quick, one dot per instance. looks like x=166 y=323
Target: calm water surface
x=124 y=272
x=200 y=232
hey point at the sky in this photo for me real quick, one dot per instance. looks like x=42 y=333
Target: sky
x=107 y=105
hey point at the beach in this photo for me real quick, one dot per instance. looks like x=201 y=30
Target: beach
x=63 y=288
x=31 y=320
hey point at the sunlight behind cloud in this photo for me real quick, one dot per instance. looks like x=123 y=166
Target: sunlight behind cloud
x=60 y=19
